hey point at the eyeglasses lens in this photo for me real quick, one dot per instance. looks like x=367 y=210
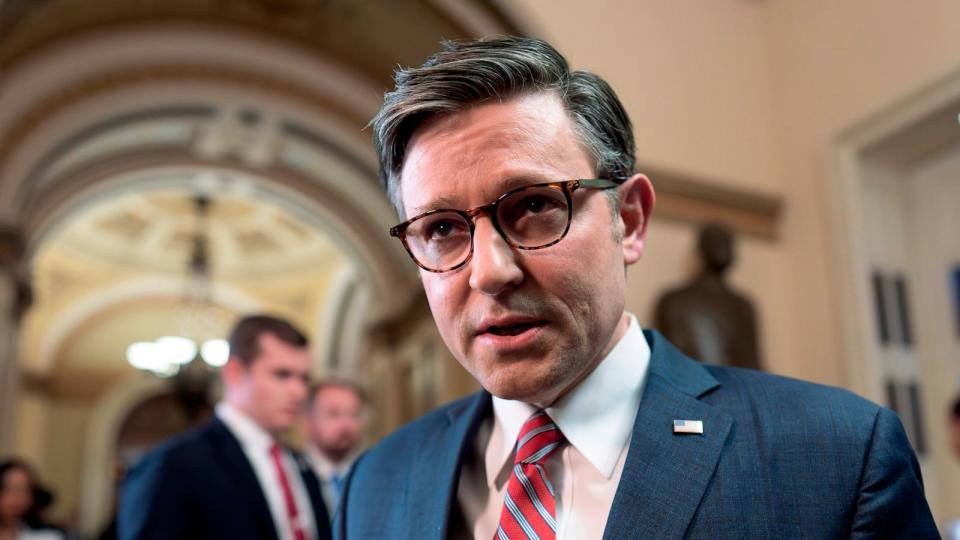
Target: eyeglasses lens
x=529 y=218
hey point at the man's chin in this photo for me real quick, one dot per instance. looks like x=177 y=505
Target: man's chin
x=284 y=424
x=528 y=393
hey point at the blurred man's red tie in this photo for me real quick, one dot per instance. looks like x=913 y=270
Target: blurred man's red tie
x=277 y=455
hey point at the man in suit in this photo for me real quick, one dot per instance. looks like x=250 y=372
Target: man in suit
x=514 y=180
x=232 y=479
x=334 y=427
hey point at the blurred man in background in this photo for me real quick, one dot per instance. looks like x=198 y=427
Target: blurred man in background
x=334 y=426
x=233 y=478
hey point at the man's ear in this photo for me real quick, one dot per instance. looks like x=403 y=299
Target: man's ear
x=232 y=371
x=637 y=199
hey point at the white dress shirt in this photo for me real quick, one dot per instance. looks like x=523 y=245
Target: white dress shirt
x=39 y=534
x=596 y=418
x=325 y=471
x=256 y=443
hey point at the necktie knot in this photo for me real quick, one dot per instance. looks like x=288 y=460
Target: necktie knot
x=538 y=438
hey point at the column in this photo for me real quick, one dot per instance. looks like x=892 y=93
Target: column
x=15 y=297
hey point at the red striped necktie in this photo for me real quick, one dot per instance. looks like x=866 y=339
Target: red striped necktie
x=529 y=506
x=288 y=500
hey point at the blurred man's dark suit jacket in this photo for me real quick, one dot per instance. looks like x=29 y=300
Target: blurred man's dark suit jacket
x=201 y=486
x=778 y=458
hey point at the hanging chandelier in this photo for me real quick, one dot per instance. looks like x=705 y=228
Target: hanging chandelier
x=196 y=319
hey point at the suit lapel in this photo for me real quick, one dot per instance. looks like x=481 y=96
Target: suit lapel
x=433 y=492
x=312 y=483
x=239 y=471
x=666 y=475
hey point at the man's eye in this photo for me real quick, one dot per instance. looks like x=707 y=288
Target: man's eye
x=535 y=203
x=443 y=228
x=439 y=229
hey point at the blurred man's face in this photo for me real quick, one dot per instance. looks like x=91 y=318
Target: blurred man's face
x=335 y=422
x=16 y=495
x=528 y=325
x=273 y=388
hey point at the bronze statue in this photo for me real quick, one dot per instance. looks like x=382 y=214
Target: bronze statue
x=706 y=318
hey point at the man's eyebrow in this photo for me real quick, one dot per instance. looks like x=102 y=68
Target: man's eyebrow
x=436 y=204
x=503 y=185
x=509 y=183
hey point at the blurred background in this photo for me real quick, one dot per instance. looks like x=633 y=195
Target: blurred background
x=168 y=166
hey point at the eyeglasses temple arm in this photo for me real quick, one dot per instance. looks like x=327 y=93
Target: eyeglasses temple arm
x=602 y=183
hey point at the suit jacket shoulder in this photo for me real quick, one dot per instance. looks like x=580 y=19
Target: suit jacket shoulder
x=181 y=451
x=409 y=478
x=782 y=404
x=779 y=458
x=408 y=437
x=196 y=485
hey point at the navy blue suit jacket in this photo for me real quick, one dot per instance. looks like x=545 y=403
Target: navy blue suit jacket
x=778 y=458
x=200 y=485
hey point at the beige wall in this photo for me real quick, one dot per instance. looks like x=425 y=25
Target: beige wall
x=31 y=417
x=64 y=461
x=692 y=75
x=50 y=436
x=836 y=63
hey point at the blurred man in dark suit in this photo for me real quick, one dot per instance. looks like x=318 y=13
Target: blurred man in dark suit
x=232 y=479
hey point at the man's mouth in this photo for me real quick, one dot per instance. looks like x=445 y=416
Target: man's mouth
x=512 y=327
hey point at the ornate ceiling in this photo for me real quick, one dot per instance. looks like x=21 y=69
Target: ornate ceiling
x=151 y=231
x=117 y=274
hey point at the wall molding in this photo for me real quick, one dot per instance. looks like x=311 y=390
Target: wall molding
x=698 y=200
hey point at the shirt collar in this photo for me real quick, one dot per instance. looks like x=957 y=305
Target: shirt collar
x=325 y=467
x=244 y=428
x=596 y=416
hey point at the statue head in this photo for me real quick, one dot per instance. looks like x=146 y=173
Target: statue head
x=716 y=247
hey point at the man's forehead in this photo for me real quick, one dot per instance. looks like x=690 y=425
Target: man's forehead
x=488 y=148
x=520 y=106
x=336 y=397
x=470 y=138
x=277 y=352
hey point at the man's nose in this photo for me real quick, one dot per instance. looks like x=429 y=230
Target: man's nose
x=493 y=267
x=299 y=389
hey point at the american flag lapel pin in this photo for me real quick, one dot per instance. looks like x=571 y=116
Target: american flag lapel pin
x=694 y=427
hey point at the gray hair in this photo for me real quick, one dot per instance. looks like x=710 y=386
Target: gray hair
x=464 y=73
